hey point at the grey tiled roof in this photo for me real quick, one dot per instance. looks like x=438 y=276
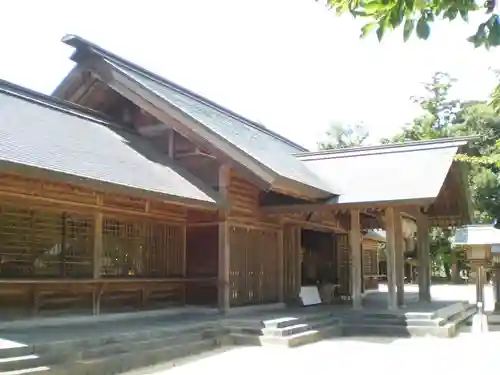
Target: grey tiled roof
x=37 y=132
x=401 y=172
x=266 y=148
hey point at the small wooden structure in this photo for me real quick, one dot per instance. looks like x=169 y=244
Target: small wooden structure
x=125 y=189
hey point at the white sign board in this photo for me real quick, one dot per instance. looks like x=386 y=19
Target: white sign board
x=309 y=295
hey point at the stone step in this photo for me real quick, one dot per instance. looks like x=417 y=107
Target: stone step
x=395 y=322
x=15 y=363
x=151 y=344
x=323 y=331
x=286 y=331
x=280 y=322
x=16 y=351
x=126 y=361
x=65 y=353
x=35 y=371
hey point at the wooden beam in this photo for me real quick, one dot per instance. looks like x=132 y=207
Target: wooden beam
x=84 y=206
x=322 y=206
x=356 y=256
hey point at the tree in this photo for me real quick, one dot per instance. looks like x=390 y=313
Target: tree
x=439 y=111
x=444 y=117
x=418 y=15
x=342 y=136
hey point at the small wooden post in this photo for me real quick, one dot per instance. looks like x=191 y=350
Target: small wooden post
x=391 y=257
x=224 y=244
x=356 y=256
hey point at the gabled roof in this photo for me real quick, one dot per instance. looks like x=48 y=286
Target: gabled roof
x=42 y=135
x=412 y=172
x=262 y=151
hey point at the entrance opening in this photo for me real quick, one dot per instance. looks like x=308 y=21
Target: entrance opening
x=319 y=258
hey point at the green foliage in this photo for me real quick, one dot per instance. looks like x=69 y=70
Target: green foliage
x=342 y=136
x=416 y=16
x=445 y=117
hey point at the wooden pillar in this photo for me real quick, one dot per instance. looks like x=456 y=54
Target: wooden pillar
x=280 y=267
x=356 y=256
x=400 y=261
x=97 y=261
x=298 y=263
x=423 y=258
x=390 y=229
x=455 y=273
x=496 y=288
x=223 y=243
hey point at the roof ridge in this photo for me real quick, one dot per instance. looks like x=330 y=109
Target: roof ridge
x=77 y=42
x=388 y=147
x=60 y=105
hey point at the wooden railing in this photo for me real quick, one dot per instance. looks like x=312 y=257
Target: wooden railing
x=135 y=291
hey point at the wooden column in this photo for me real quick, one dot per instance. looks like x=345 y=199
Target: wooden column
x=496 y=288
x=400 y=261
x=97 y=260
x=356 y=254
x=280 y=273
x=423 y=258
x=390 y=228
x=224 y=244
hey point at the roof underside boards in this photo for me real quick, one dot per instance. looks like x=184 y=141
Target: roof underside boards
x=266 y=149
x=406 y=173
x=41 y=135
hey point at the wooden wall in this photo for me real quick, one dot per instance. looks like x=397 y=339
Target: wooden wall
x=48 y=233
x=255 y=243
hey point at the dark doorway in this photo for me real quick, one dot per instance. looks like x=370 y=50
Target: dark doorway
x=318 y=255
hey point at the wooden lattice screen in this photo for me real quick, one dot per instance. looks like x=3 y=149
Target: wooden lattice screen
x=39 y=243
x=138 y=248
x=370 y=262
x=344 y=262
x=253 y=266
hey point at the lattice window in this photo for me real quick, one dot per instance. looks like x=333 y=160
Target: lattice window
x=123 y=243
x=139 y=248
x=38 y=243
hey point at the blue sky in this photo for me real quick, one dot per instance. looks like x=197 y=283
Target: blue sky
x=290 y=64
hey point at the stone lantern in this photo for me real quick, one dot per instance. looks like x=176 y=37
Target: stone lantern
x=480 y=243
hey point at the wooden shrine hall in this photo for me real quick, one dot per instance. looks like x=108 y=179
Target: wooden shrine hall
x=125 y=190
